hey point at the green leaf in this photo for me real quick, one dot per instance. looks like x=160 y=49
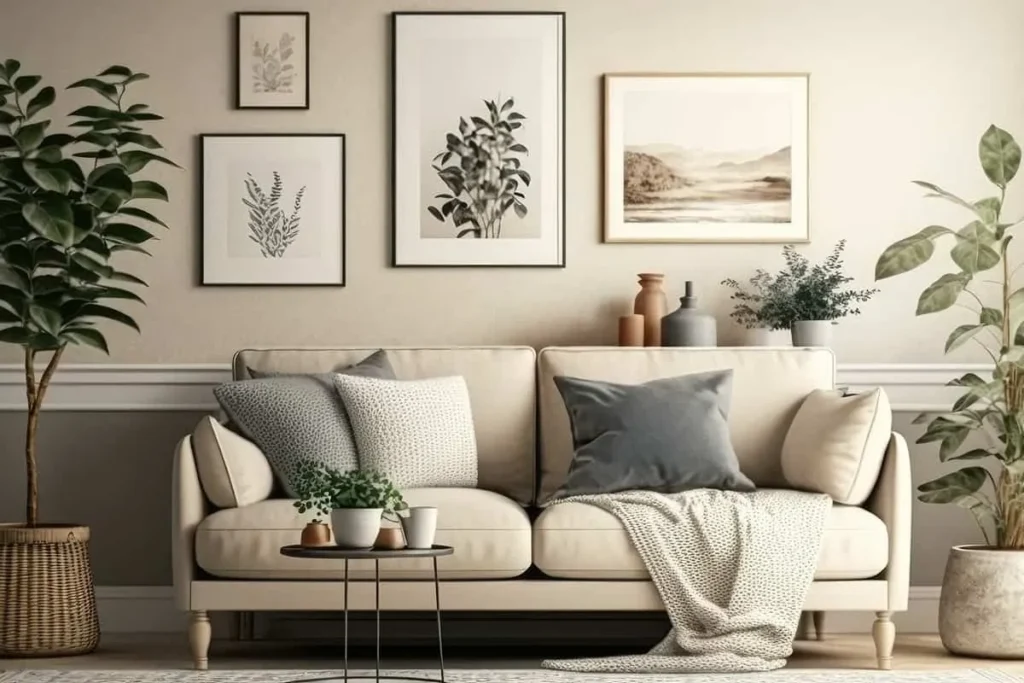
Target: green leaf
x=1000 y=156
x=961 y=335
x=87 y=336
x=92 y=265
x=953 y=486
x=973 y=454
x=97 y=138
x=136 y=108
x=141 y=139
x=141 y=213
x=15 y=335
x=51 y=222
x=940 y=193
x=520 y=209
x=50 y=155
x=25 y=83
x=909 y=253
x=28 y=137
x=125 y=232
x=11 y=67
x=43 y=99
x=988 y=210
x=119 y=293
x=7 y=118
x=19 y=256
x=952 y=443
x=111 y=177
x=96 y=85
x=116 y=70
x=942 y=293
x=101 y=113
x=47 y=176
x=50 y=321
x=10 y=277
x=135 y=160
x=127 y=277
x=972 y=252
x=147 y=189
x=991 y=316
x=99 y=311
x=8 y=316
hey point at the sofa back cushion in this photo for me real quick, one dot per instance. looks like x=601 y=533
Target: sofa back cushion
x=502 y=393
x=768 y=387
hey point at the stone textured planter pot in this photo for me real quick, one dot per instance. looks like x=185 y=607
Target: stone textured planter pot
x=812 y=333
x=981 y=612
x=356 y=527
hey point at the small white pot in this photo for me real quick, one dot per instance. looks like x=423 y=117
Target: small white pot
x=812 y=333
x=356 y=527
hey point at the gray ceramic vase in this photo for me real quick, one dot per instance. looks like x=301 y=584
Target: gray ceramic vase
x=688 y=326
x=812 y=332
x=981 y=611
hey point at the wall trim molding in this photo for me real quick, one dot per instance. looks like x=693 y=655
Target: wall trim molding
x=150 y=609
x=88 y=387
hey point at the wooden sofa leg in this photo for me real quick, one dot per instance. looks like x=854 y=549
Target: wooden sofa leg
x=819 y=625
x=199 y=636
x=884 y=634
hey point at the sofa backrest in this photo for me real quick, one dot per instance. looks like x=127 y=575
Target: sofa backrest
x=502 y=393
x=768 y=387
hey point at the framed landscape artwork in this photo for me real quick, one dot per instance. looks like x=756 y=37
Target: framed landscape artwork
x=706 y=158
x=273 y=60
x=273 y=209
x=479 y=139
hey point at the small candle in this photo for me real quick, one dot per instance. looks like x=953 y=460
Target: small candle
x=631 y=330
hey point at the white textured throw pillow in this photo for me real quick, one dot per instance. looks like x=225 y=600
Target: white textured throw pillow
x=836 y=444
x=416 y=433
x=232 y=470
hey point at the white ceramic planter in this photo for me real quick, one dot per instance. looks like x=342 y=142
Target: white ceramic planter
x=812 y=333
x=760 y=336
x=981 y=611
x=356 y=527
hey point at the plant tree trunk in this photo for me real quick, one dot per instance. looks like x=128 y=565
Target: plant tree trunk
x=35 y=393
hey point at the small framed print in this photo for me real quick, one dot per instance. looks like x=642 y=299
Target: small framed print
x=479 y=139
x=273 y=60
x=706 y=157
x=273 y=209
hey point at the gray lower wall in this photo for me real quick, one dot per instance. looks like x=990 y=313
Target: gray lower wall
x=112 y=472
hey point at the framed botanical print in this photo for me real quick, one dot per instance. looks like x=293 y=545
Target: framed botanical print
x=479 y=139
x=273 y=60
x=273 y=209
x=706 y=157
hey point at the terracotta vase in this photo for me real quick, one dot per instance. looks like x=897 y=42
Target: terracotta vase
x=315 y=535
x=652 y=304
x=390 y=538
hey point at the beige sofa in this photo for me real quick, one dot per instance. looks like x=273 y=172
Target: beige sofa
x=228 y=559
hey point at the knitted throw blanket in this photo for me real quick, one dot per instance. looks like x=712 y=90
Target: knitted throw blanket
x=733 y=570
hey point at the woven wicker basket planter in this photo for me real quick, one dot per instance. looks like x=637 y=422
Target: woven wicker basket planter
x=47 y=600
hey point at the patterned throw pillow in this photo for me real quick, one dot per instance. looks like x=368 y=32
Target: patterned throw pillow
x=297 y=417
x=416 y=433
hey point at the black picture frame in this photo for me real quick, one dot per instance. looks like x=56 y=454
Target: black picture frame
x=395 y=17
x=201 y=247
x=239 y=17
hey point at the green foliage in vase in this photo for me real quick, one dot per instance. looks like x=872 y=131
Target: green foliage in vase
x=322 y=488
x=800 y=291
x=482 y=168
x=982 y=282
x=269 y=228
x=69 y=204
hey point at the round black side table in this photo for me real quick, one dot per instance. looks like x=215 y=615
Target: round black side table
x=346 y=554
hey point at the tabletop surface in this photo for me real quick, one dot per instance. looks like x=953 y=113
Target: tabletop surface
x=333 y=552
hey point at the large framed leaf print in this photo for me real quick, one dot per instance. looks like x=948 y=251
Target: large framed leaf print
x=273 y=209
x=479 y=139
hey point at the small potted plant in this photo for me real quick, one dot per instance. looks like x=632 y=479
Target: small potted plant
x=749 y=310
x=311 y=485
x=356 y=501
x=808 y=298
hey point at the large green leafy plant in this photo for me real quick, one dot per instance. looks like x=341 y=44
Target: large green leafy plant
x=69 y=204
x=322 y=489
x=992 y=408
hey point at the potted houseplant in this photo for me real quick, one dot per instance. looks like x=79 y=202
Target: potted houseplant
x=749 y=311
x=981 y=611
x=69 y=204
x=355 y=500
x=808 y=298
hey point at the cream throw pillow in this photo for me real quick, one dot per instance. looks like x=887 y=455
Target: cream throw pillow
x=836 y=444
x=416 y=433
x=232 y=470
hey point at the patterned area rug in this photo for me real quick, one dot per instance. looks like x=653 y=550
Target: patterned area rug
x=513 y=676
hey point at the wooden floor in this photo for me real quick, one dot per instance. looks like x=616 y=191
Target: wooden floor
x=170 y=652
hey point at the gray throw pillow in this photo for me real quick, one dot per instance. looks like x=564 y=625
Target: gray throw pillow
x=667 y=435
x=297 y=417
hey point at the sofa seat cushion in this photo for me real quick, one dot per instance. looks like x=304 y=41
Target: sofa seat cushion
x=580 y=541
x=490 y=534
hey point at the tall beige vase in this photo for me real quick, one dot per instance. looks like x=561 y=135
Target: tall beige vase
x=652 y=304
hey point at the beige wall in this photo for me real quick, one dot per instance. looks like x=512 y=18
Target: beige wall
x=899 y=90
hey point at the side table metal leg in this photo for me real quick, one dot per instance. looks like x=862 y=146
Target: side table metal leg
x=437 y=604
x=376 y=604
x=346 y=621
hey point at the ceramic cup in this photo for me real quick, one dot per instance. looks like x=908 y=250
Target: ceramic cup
x=420 y=527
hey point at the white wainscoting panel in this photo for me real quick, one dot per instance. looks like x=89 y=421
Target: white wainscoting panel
x=167 y=387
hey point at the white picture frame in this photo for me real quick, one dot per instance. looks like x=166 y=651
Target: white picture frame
x=510 y=78
x=272 y=61
x=273 y=209
x=706 y=158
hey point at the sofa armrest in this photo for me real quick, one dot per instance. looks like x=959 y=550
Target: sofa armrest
x=892 y=501
x=188 y=509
